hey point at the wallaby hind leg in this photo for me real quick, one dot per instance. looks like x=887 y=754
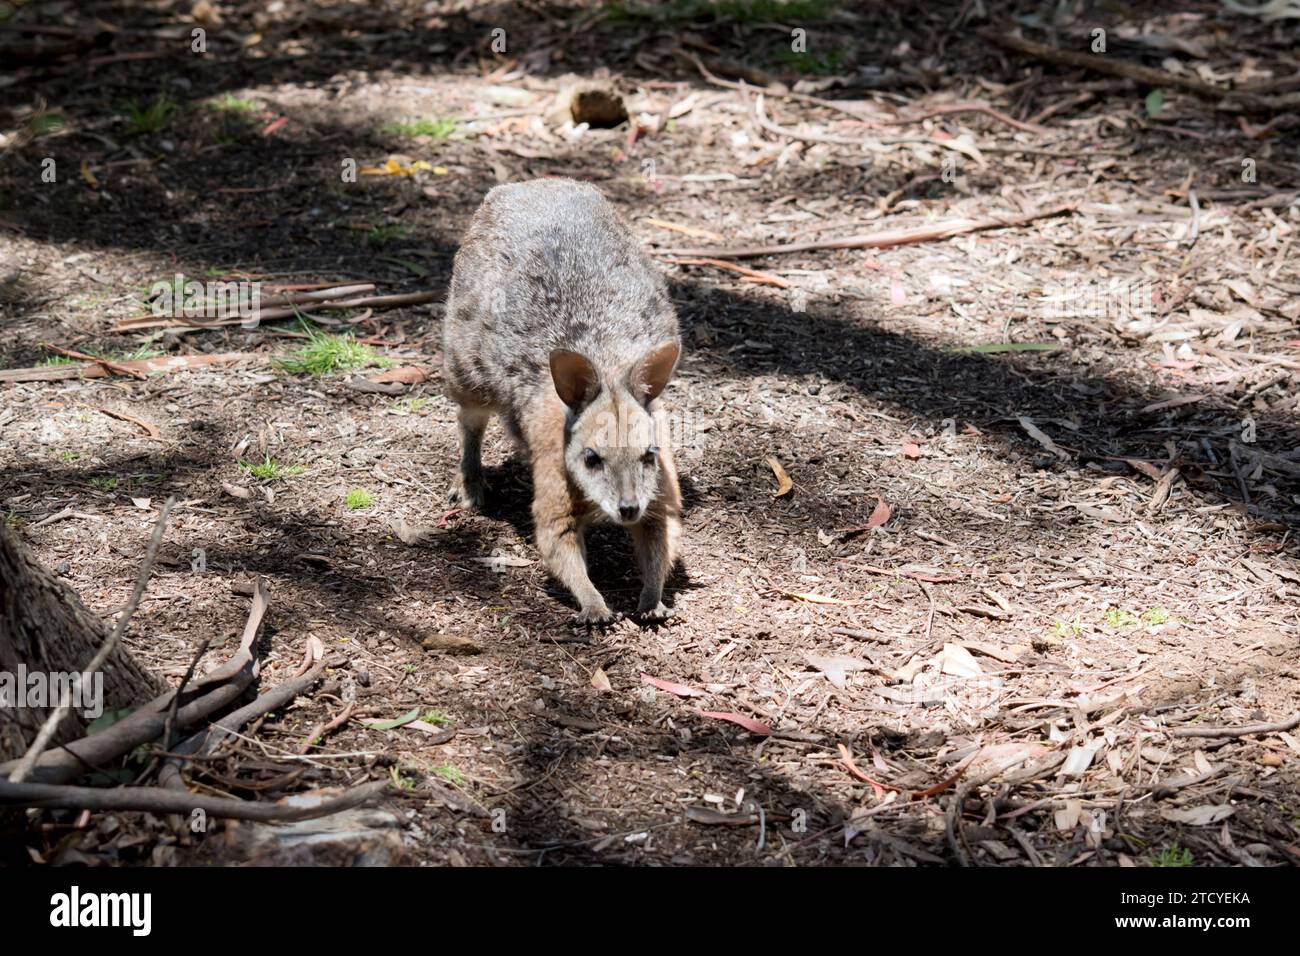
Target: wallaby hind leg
x=473 y=421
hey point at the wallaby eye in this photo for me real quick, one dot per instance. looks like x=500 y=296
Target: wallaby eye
x=650 y=457
x=591 y=459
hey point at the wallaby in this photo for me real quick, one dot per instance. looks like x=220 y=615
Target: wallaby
x=557 y=321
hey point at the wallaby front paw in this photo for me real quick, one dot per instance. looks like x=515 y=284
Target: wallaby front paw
x=467 y=496
x=658 y=611
x=594 y=614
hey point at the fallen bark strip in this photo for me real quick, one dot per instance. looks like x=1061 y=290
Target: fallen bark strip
x=1231 y=100
x=267 y=315
x=879 y=240
x=101 y=369
x=158 y=800
x=106 y=364
x=1243 y=731
x=280 y=299
x=225 y=685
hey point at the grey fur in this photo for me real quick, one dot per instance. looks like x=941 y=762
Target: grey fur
x=547 y=265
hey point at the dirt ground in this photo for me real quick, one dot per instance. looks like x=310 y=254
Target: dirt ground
x=1030 y=548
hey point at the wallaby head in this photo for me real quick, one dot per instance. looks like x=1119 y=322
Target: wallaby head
x=611 y=449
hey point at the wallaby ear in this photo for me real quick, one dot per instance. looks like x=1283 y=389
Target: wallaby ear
x=575 y=378
x=651 y=374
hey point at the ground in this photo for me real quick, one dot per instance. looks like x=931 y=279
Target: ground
x=1043 y=478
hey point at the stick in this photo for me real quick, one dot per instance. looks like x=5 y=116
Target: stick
x=223 y=686
x=100 y=369
x=170 y=726
x=102 y=362
x=1232 y=100
x=322 y=729
x=52 y=722
x=1246 y=731
x=206 y=741
x=751 y=275
x=277 y=696
x=266 y=315
x=158 y=800
x=966 y=108
x=879 y=240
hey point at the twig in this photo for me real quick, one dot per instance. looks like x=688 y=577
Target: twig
x=778 y=94
x=267 y=315
x=1231 y=100
x=324 y=728
x=207 y=741
x=222 y=687
x=102 y=362
x=751 y=275
x=983 y=108
x=158 y=800
x=1245 y=731
x=170 y=726
x=879 y=240
x=28 y=761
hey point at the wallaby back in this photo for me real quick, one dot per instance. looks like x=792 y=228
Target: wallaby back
x=547 y=265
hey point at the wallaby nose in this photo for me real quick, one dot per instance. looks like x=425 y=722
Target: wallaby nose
x=629 y=512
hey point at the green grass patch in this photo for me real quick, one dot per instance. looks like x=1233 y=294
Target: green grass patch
x=43 y=124
x=450 y=773
x=151 y=117
x=104 y=483
x=439 y=128
x=831 y=61
x=1156 y=615
x=268 y=469
x=358 y=498
x=143 y=352
x=385 y=233
x=435 y=717
x=1173 y=856
x=1118 y=617
x=230 y=103
x=412 y=406
x=400 y=780
x=1070 y=628
x=325 y=353
x=69 y=455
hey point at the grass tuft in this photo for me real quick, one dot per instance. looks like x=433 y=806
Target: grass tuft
x=325 y=353
x=153 y=117
x=359 y=498
x=271 y=470
x=435 y=128
x=230 y=103
x=383 y=234
x=1173 y=856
